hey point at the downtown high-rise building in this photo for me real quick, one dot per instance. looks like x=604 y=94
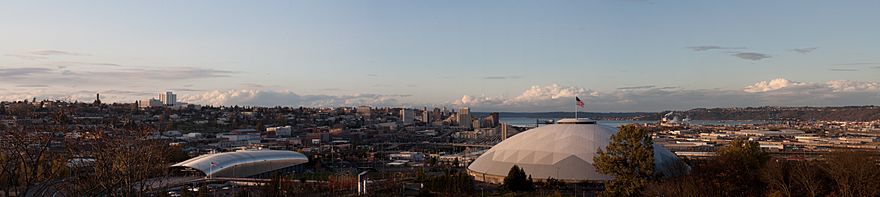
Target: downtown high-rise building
x=437 y=114
x=168 y=99
x=407 y=116
x=491 y=121
x=464 y=117
x=504 y=129
x=426 y=116
x=148 y=103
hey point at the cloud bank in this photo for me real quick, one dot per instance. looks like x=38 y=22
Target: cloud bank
x=754 y=56
x=751 y=56
x=503 y=77
x=712 y=47
x=61 y=75
x=553 y=97
x=805 y=50
x=52 y=53
x=42 y=54
x=288 y=98
x=777 y=92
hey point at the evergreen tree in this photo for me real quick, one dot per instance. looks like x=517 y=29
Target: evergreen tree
x=737 y=168
x=517 y=180
x=554 y=184
x=629 y=157
x=455 y=183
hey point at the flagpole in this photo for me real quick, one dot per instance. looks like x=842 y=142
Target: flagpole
x=575 y=110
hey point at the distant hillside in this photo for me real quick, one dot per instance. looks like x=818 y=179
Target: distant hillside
x=848 y=113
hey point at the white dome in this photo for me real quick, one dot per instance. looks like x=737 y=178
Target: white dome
x=563 y=151
x=243 y=163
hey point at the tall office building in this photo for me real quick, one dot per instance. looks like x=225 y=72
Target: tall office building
x=147 y=103
x=504 y=131
x=426 y=115
x=464 y=117
x=407 y=116
x=168 y=98
x=437 y=114
x=492 y=120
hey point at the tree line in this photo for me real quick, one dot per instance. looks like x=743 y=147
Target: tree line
x=740 y=168
x=48 y=161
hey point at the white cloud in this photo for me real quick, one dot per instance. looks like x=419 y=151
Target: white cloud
x=711 y=47
x=121 y=96
x=467 y=100
x=533 y=99
x=771 y=85
x=534 y=95
x=18 y=73
x=776 y=92
x=751 y=56
x=551 y=92
x=42 y=54
x=242 y=97
x=805 y=50
x=53 y=52
x=853 y=86
x=288 y=98
x=782 y=84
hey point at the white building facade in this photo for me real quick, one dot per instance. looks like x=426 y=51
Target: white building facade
x=168 y=98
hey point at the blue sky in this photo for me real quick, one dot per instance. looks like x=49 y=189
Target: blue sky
x=620 y=55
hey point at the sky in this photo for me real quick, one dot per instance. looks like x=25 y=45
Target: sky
x=616 y=55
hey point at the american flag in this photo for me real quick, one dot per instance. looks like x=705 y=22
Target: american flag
x=579 y=102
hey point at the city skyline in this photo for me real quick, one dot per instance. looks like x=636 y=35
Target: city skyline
x=618 y=56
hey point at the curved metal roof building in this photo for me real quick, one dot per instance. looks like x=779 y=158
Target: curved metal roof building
x=243 y=163
x=563 y=151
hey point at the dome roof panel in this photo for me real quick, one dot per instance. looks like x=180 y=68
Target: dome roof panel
x=566 y=148
x=257 y=161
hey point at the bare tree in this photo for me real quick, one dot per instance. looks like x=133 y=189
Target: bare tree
x=679 y=186
x=776 y=174
x=121 y=163
x=808 y=176
x=856 y=173
x=7 y=170
x=28 y=161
